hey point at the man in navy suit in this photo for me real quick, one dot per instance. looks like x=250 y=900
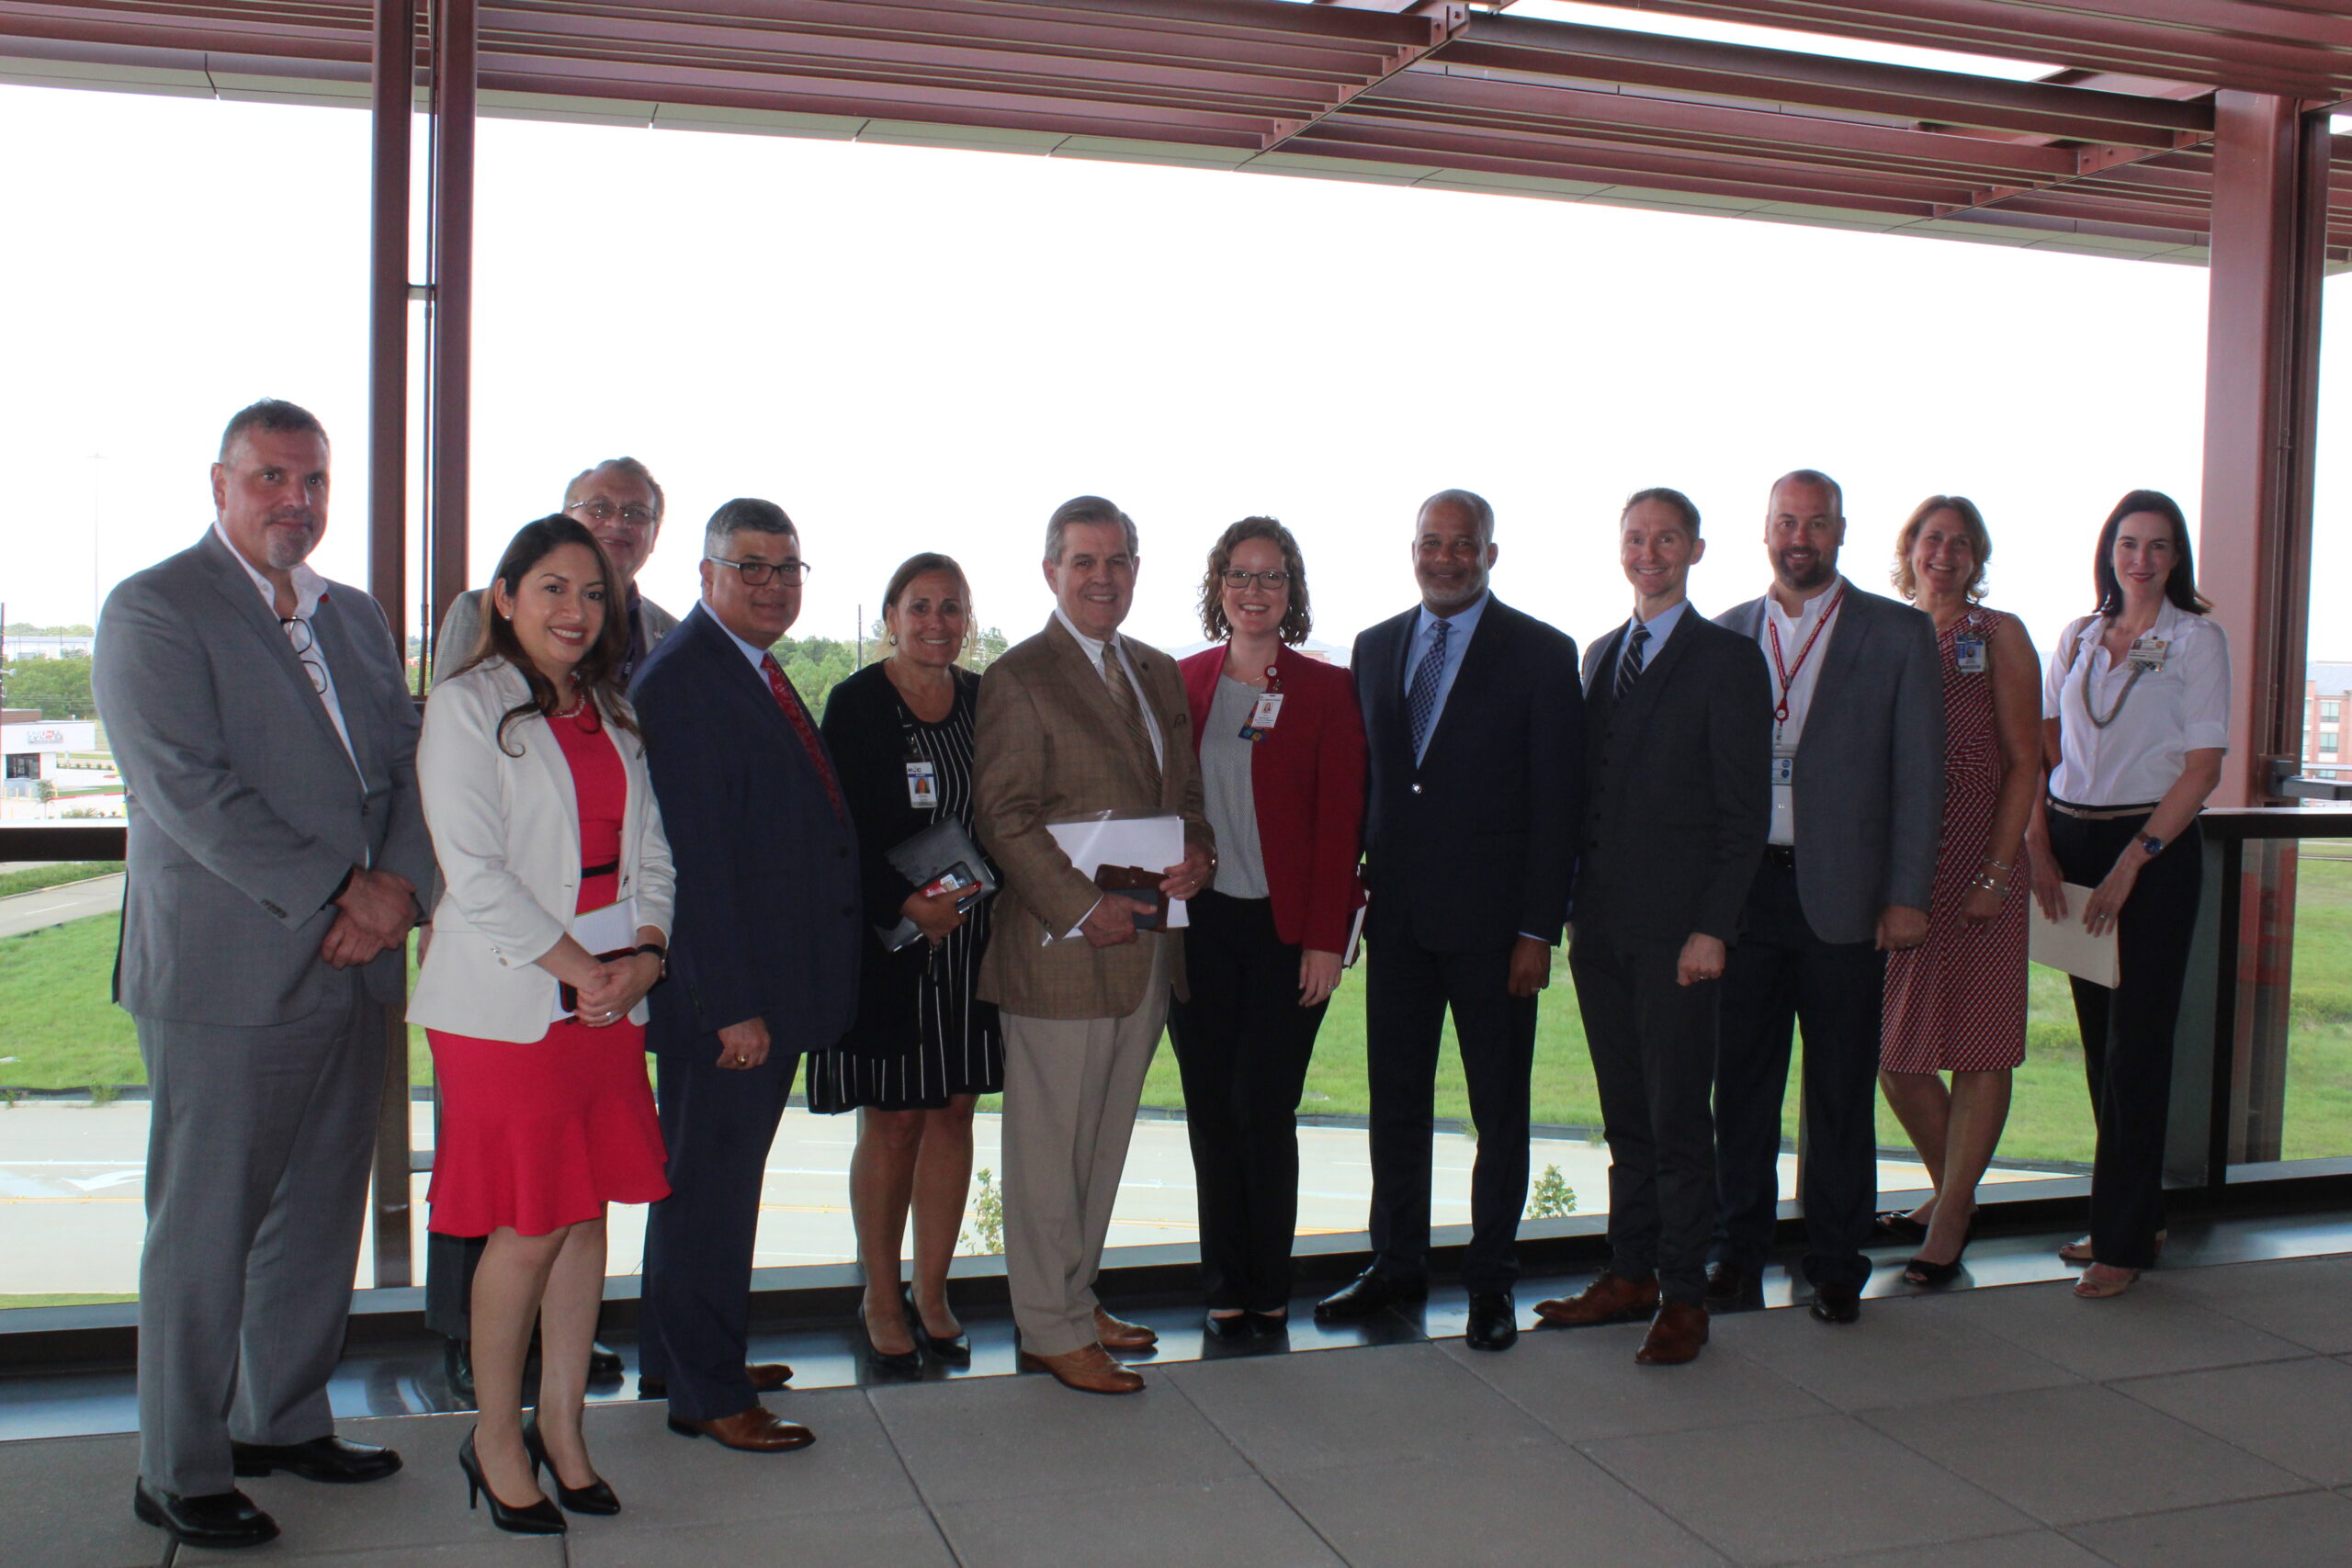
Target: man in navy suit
x=1474 y=723
x=763 y=960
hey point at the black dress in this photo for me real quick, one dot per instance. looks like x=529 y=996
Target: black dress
x=920 y=1035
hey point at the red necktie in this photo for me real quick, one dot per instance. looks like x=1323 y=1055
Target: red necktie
x=789 y=701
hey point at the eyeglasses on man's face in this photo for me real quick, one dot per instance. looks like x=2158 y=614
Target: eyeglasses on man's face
x=1238 y=579
x=760 y=574
x=603 y=510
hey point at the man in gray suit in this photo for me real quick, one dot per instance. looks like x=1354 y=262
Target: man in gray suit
x=619 y=502
x=262 y=721
x=1858 y=804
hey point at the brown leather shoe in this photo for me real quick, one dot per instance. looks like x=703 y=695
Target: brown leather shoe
x=1612 y=1298
x=1115 y=1334
x=1088 y=1369
x=755 y=1431
x=767 y=1377
x=1675 y=1336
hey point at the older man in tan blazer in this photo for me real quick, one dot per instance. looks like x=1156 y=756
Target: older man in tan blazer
x=1076 y=721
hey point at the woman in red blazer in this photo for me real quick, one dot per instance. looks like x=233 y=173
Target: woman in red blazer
x=1281 y=753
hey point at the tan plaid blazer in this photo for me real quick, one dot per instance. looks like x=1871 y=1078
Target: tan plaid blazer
x=1050 y=746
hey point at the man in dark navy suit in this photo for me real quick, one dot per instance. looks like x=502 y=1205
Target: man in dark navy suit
x=1475 y=724
x=762 y=962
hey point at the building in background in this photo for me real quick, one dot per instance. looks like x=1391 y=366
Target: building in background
x=2327 y=691
x=32 y=749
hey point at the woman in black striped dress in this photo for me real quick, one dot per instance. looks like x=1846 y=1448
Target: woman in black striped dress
x=924 y=1048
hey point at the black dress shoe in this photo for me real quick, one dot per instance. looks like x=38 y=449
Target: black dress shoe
x=1729 y=1285
x=897 y=1362
x=531 y=1518
x=457 y=1367
x=1366 y=1295
x=215 y=1520
x=1267 y=1325
x=1229 y=1329
x=593 y=1498
x=1837 y=1304
x=321 y=1458
x=604 y=1363
x=955 y=1349
x=1494 y=1326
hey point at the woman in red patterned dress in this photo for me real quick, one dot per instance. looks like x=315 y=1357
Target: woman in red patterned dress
x=534 y=784
x=1957 y=1003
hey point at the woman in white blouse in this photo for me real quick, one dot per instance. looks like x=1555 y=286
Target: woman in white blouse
x=2135 y=718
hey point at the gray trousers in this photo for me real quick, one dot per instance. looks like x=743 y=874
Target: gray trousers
x=1070 y=1090
x=258 y=1150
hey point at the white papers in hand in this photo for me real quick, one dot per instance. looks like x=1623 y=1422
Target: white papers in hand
x=607 y=929
x=2064 y=944
x=1151 y=842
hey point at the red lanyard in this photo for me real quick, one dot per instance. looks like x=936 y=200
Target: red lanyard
x=1787 y=672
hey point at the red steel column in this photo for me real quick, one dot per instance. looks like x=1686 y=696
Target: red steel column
x=2270 y=163
x=451 y=351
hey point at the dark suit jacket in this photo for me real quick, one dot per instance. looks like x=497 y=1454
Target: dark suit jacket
x=1678 y=786
x=768 y=919
x=1477 y=843
x=1870 y=784
x=1306 y=783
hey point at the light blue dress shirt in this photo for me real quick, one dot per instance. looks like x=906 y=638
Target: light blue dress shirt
x=758 y=656
x=1661 y=626
x=1465 y=624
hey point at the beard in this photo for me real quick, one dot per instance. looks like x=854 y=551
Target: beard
x=287 y=551
x=1815 y=575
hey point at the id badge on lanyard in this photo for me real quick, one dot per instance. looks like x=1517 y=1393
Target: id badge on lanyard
x=1266 y=711
x=1968 y=655
x=922 y=783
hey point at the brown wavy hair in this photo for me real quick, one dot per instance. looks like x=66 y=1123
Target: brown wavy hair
x=914 y=566
x=597 y=676
x=1297 y=620
x=1980 y=539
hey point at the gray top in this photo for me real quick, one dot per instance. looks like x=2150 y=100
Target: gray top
x=1225 y=786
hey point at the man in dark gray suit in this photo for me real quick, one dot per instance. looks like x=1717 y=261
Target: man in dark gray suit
x=1858 y=804
x=1678 y=740
x=262 y=721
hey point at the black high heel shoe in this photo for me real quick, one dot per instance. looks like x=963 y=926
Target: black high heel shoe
x=1935 y=1276
x=593 y=1498
x=881 y=1361
x=955 y=1349
x=538 y=1518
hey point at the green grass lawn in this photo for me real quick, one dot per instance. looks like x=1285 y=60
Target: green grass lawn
x=56 y=1022
x=34 y=879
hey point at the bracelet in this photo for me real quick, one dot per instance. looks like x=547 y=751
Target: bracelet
x=1990 y=884
x=1997 y=865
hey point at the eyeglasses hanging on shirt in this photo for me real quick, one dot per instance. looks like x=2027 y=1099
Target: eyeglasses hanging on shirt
x=305 y=643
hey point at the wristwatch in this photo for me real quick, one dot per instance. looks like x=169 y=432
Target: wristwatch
x=661 y=955
x=2152 y=845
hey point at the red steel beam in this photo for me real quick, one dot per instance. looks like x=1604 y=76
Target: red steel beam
x=2261 y=395
x=450 y=354
x=391 y=110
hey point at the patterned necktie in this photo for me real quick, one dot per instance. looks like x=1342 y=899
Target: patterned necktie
x=1123 y=698
x=1421 y=697
x=789 y=701
x=1629 y=663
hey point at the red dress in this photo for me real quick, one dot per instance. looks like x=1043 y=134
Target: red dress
x=543 y=1136
x=1957 y=1003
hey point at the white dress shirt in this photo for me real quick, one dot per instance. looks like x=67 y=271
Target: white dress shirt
x=1788 y=733
x=309 y=589
x=2183 y=708
x=1094 y=647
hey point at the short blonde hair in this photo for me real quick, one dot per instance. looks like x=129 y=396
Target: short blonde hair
x=1906 y=581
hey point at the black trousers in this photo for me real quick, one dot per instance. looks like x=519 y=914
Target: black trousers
x=449 y=1264
x=1781 y=976
x=1653 y=1044
x=695 y=1306
x=2128 y=1032
x=1408 y=990
x=1242 y=1045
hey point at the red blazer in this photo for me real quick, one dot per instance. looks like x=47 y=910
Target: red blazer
x=1307 y=779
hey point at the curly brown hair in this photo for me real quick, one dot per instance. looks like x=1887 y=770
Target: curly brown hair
x=1297 y=620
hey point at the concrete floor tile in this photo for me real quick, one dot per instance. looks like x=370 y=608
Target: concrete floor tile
x=891 y=1537
x=68 y=1505
x=2036 y=1549
x=423 y=1505
x=1894 y=1355
x=1027 y=1436
x=666 y=1481
x=2300 y=1298
x=2066 y=1455
x=498 y=1550
x=1203 y=1524
x=2309 y=1530
x=1500 y=1508
x=1584 y=1383
x=2150 y=1330
x=2294 y=1413
x=1352 y=1408
x=1796 y=1491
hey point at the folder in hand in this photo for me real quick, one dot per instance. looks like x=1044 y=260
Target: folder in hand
x=2062 y=943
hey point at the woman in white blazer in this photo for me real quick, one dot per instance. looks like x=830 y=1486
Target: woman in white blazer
x=553 y=924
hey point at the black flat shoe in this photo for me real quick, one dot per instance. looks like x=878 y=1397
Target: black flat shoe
x=1364 y=1296
x=216 y=1519
x=1226 y=1328
x=881 y=1361
x=538 y=1518
x=328 y=1459
x=1267 y=1325
x=604 y=1363
x=593 y=1498
x=955 y=1349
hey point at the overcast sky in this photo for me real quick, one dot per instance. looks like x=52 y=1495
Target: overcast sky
x=911 y=349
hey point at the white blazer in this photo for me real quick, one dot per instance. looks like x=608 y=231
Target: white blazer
x=506 y=832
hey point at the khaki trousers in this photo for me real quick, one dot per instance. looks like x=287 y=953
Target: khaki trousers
x=1070 y=1090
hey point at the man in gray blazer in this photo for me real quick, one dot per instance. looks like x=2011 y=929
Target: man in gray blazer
x=619 y=502
x=262 y=721
x=1858 y=804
